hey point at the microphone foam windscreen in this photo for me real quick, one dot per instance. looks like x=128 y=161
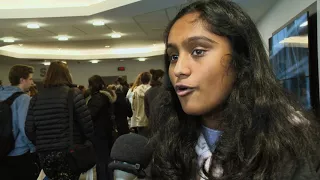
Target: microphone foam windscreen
x=133 y=149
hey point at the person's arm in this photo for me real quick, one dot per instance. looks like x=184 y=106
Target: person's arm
x=30 y=128
x=134 y=99
x=82 y=114
x=146 y=105
x=22 y=105
x=127 y=105
x=129 y=96
x=128 y=93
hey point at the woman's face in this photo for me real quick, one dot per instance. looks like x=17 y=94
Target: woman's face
x=200 y=67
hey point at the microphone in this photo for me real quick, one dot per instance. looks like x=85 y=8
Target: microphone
x=130 y=156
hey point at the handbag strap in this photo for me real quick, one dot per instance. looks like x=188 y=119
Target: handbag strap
x=70 y=109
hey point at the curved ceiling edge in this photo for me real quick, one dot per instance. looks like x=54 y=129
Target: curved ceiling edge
x=64 y=11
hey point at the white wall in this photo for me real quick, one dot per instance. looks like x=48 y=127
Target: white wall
x=281 y=13
x=4 y=71
x=81 y=72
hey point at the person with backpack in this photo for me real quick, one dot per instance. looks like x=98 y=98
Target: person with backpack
x=17 y=157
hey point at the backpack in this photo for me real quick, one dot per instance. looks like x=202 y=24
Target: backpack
x=7 y=140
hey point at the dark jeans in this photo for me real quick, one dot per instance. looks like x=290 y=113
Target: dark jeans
x=103 y=172
x=56 y=167
x=143 y=131
x=103 y=147
x=23 y=167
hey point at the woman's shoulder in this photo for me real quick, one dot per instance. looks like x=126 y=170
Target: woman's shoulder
x=306 y=168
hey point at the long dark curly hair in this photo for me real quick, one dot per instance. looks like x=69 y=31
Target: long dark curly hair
x=263 y=128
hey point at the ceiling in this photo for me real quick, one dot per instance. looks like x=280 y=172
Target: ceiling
x=140 y=22
x=32 y=4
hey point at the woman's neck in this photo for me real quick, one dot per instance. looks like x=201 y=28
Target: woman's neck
x=212 y=120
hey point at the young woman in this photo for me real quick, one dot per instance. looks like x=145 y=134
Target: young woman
x=129 y=96
x=227 y=116
x=47 y=124
x=100 y=104
x=139 y=119
x=122 y=111
x=136 y=83
x=156 y=88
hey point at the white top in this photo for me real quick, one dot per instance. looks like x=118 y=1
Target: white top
x=130 y=95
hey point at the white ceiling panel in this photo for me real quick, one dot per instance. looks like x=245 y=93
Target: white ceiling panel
x=125 y=27
x=34 y=32
x=155 y=26
x=90 y=29
x=8 y=32
x=67 y=30
x=157 y=16
x=172 y=12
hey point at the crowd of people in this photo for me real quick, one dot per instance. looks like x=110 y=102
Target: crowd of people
x=101 y=114
x=220 y=115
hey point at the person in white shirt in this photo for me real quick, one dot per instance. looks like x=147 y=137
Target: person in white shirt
x=140 y=120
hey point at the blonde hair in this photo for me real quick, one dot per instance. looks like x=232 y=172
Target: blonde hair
x=137 y=82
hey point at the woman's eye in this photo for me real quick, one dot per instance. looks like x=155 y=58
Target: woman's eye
x=173 y=57
x=198 y=52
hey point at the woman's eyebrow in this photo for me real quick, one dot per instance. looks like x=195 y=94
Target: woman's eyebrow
x=170 y=46
x=199 y=38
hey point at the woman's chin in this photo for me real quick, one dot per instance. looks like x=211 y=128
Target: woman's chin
x=194 y=111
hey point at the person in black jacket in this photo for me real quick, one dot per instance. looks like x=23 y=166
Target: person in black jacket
x=122 y=110
x=120 y=82
x=100 y=106
x=156 y=88
x=47 y=124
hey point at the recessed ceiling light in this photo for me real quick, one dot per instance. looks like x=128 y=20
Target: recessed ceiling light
x=8 y=40
x=98 y=23
x=142 y=59
x=115 y=35
x=46 y=63
x=304 y=24
x=107 y=46
x=33 y=26
x=94 y=61
x=63 y=38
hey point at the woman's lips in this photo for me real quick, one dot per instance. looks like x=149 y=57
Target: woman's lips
x=183 y=90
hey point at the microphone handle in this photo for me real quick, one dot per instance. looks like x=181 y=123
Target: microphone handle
x=122 y=175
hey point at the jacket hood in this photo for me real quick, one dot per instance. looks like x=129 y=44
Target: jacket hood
x=142 y=89
x=7 y=91
x=112 y=96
